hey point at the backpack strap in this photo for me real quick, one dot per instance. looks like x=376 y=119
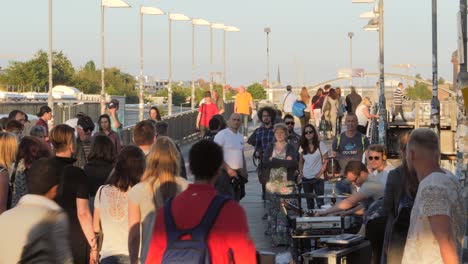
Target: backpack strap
x=198 y=232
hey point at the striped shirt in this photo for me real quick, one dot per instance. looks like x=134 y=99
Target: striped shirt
x=398 y=96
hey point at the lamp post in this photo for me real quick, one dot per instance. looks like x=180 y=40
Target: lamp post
x=50 y=98
x=267 y=30
x=171 y=17
x=112 y=4
x=227 y=29
x=144 y=11
x=200 y=22
x=351 y=35
x=435 y=104
x=376 y=23
x=213 y=26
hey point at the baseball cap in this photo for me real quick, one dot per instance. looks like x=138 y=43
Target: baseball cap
x=114 y=103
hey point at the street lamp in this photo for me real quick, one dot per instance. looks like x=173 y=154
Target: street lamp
x=50 y=98
x=351 y=35
x=435 y=104
x=171 y=17
x=227 y=29
x=199 y=22
x=213 y=26
x=144 y=10
x=376 y=23
x=111 y=4
x=267 y=30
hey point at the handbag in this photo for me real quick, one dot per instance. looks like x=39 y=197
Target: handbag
x=325 y=125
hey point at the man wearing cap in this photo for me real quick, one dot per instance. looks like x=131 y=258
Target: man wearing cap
x=36 y=230
x=84 y=129
x=241 y=105
x=116 y=125
x=45 y=114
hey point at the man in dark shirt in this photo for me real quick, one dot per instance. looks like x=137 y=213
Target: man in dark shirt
x=353 y=100
x=293 y=137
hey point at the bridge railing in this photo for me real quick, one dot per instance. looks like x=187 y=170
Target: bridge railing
x=418 y=113
x=181 y=126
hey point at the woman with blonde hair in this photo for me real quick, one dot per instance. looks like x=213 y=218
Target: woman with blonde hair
x=160 y=182
x=305 y=97
x=8 y=149
x=363 y=115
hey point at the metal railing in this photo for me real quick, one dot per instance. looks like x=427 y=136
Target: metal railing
x=181 y=126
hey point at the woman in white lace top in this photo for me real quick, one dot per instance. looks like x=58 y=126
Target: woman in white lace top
x=111 y=205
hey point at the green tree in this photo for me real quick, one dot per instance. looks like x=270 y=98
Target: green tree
x=420 y=91
x=180 y=94
x=35 y=72
x=257 y=91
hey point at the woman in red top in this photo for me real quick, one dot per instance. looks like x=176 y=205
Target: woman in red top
x=206 y=111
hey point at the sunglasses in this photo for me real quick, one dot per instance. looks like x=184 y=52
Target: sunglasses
x=309 y=132
x=289 y=123
x=373 y=158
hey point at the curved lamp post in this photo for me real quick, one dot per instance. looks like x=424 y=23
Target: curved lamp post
x=144 y=10
x=199 y=22
x=227 y=29
x=111 y=4
x=50 y=98
x=172 y=17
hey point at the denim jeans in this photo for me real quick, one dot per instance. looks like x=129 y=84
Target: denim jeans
x=316 y=186
x=117 y=259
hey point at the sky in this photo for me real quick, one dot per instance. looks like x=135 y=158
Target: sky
x=308 y=40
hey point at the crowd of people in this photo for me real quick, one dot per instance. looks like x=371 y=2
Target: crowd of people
x=69 y=195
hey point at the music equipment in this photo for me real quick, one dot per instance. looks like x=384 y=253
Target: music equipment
x=342 y=240
x=356 y=254
x=321 y=225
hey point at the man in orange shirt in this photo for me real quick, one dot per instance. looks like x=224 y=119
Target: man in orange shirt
x=228 y=238
x=243 y=102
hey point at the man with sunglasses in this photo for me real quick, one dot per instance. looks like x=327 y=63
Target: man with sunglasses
x=84 y=128
x=377 y=163
x=370 y=190
x=293 y=138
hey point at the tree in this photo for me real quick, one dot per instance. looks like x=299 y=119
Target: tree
x=257 y=91
x=35 y=72
x=180 y=94
x=420 y=91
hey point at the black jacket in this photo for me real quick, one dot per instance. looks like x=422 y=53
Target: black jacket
x=290 y=165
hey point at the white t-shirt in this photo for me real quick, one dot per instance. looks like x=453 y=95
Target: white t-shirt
x=382 y=175
x=438 y=194
x=362 y=119
x=288 y=101
x=113 y=205
x=143 y=195
x=233 y=147
x=313 y=162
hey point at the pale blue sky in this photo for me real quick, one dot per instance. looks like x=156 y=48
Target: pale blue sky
x=313 y=33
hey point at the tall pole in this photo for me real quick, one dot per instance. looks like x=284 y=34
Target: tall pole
x=50 y=98
x=462 y=97
x=267 y=30
x=140 y=94
x=103 y=91
x=211 y=59
x=383 y=121
x=224 y=62
x=351 y=35
x=435 y=104
x=169 y=85
x=193 y=67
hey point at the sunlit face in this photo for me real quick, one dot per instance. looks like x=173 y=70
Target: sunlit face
x=266 y=117
x=21 y=118
x=153 y=114
x=235 y=122
x=207 y=100
x=357 y=180
x=289 y=123
x=104 y=123
x=375 y=160
x=280 y=135
x=351 y=123
x=309 y=133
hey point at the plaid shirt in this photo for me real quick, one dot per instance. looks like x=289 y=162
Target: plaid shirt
x=264 y=136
